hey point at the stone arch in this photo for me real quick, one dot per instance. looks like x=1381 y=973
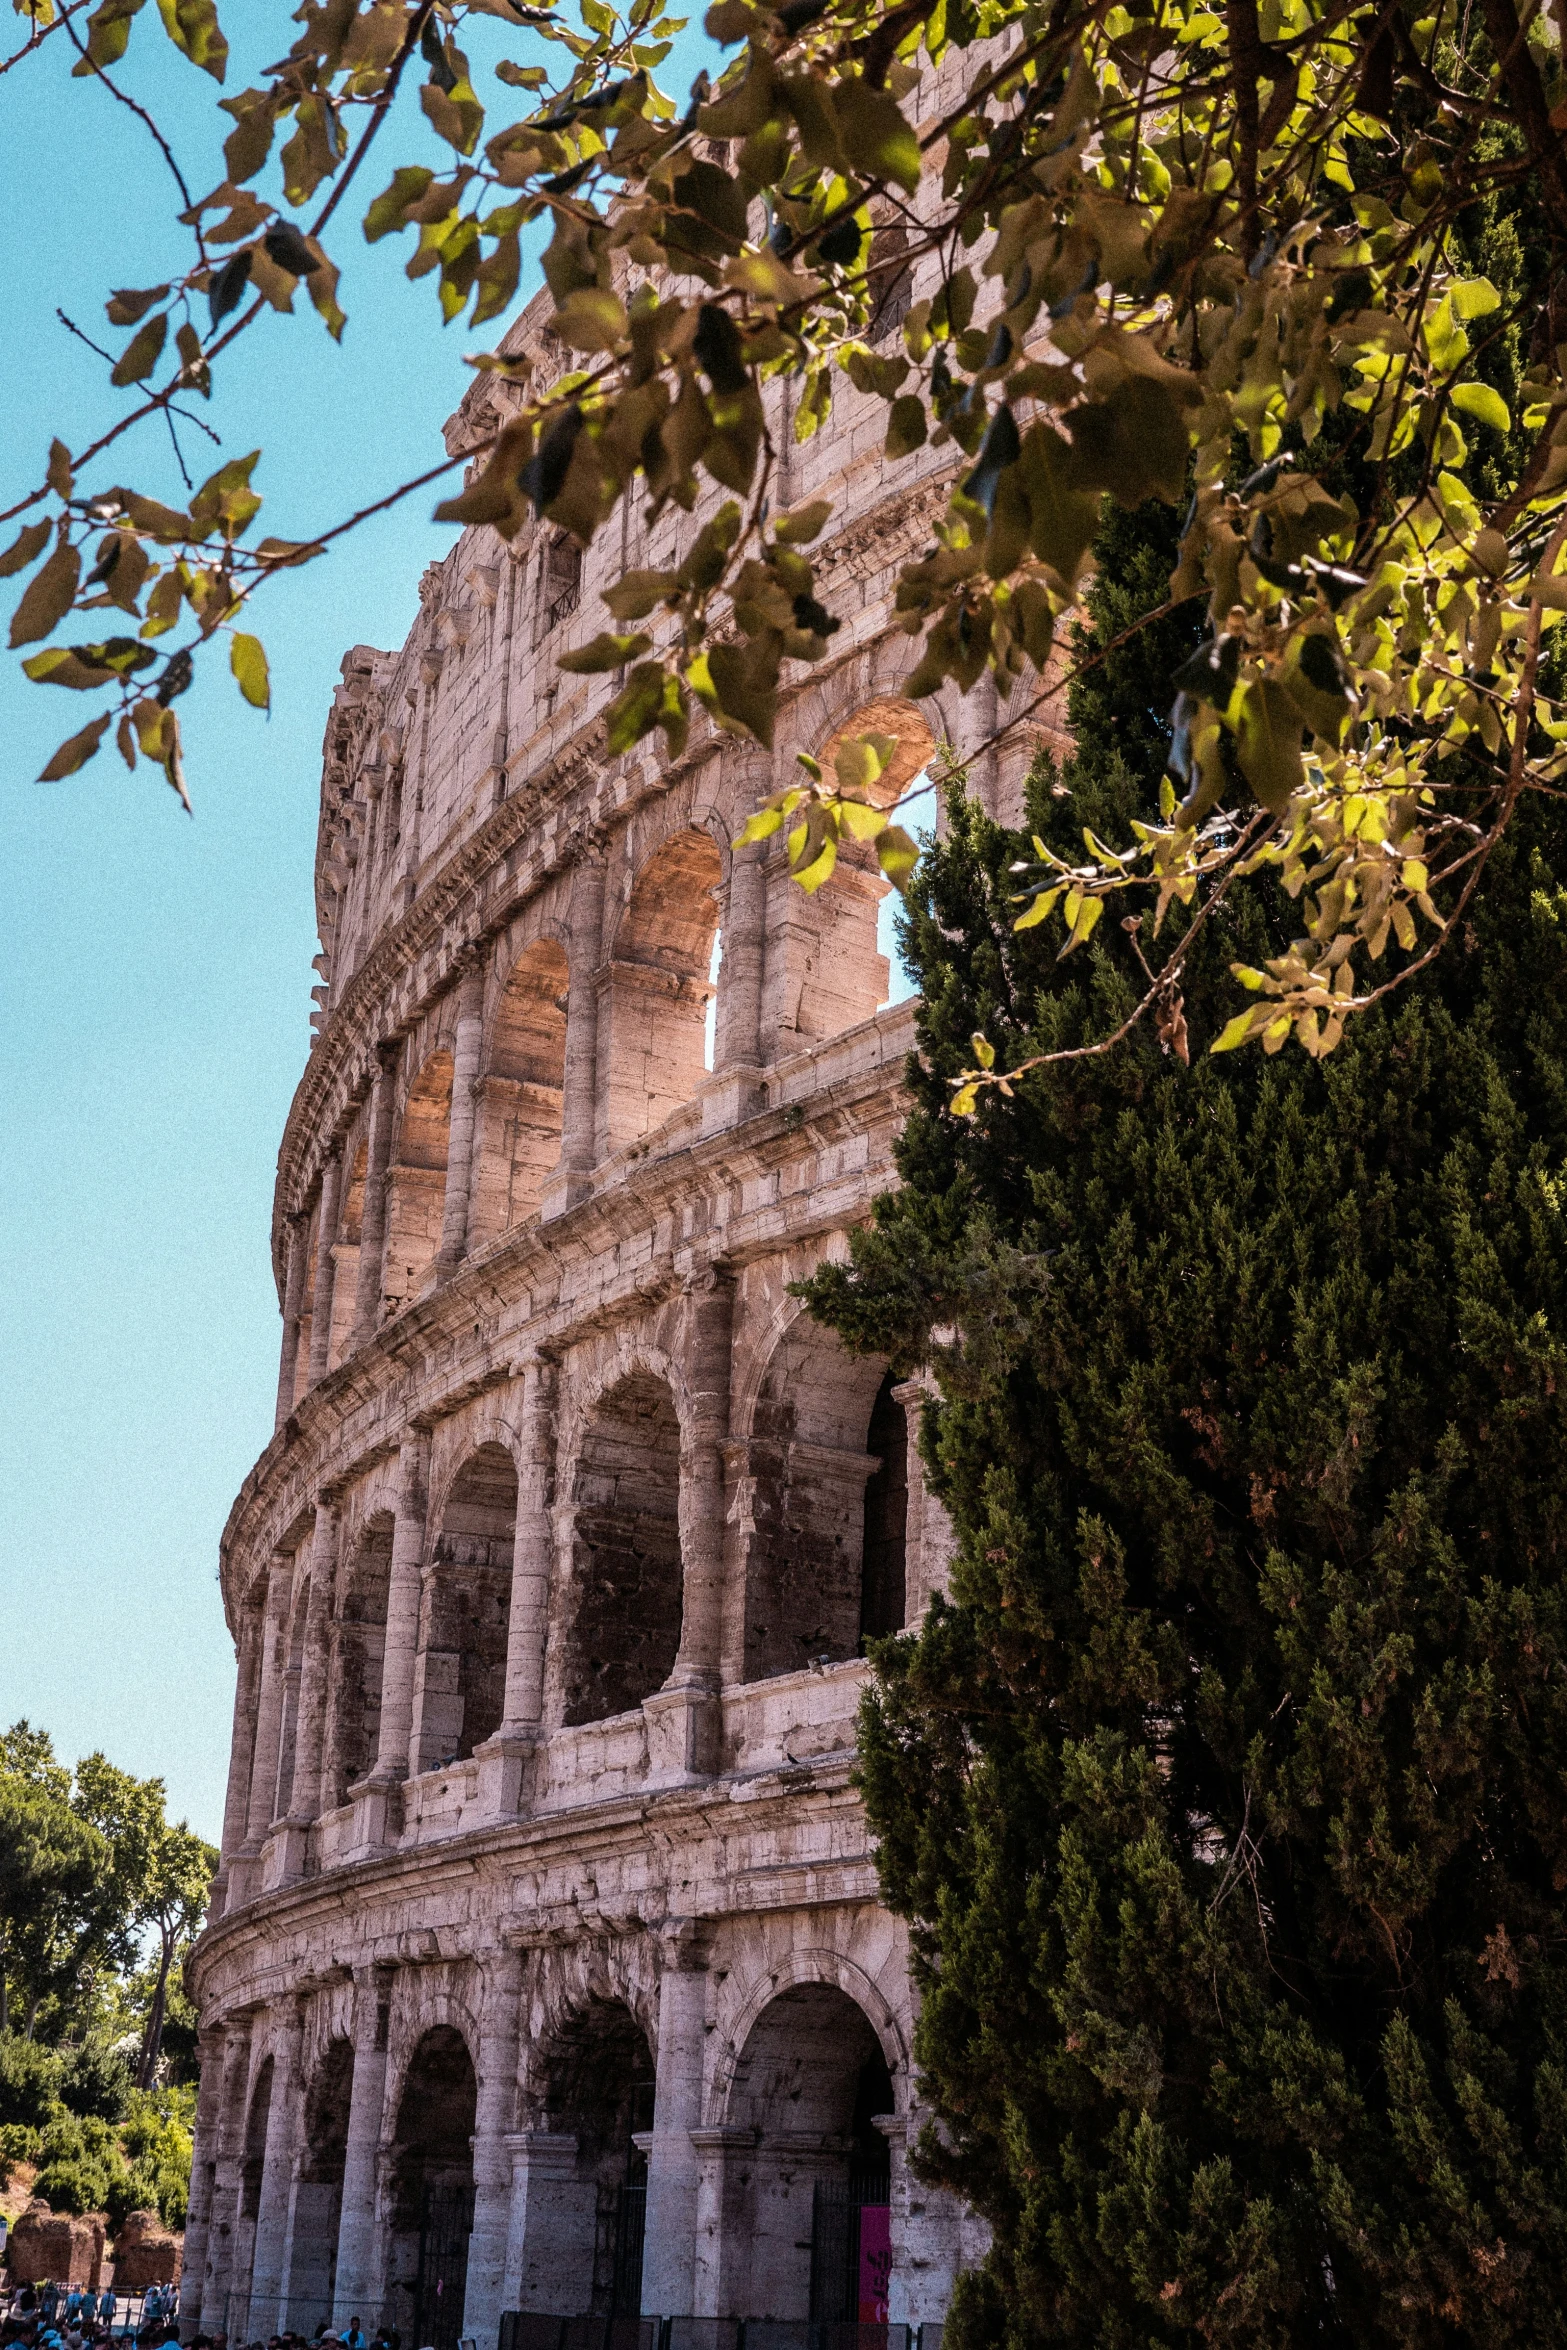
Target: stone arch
x=825 y=968
x=318 y=2188
x=258 y=2113
x=791 y=1969
x=624 y=1597
x=350 y=1234
x=814 y=1489
x=293 y=1673
x=432 y=2186
x=460 y=1671
x=592 y=2095
x=807 y=2076
x=416 y=1192
x=521 y=1092
x=358 y=1660
x=656 y=989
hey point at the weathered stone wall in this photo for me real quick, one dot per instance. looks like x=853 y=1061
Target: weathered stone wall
x=47 y=2245
x=545 y=1891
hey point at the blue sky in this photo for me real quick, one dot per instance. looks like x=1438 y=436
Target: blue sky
x=155 y=969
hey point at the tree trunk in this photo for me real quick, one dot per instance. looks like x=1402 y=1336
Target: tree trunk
x=152 y=2038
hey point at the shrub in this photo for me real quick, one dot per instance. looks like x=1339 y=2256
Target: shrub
x=133 y=2187
x=72 y=2186
x=95 y=2080
x=18 y=2144
x=29 y=2080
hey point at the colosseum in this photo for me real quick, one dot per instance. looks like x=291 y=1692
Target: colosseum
x=546 y=1992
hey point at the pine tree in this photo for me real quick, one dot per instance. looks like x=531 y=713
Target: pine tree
x=1227 y=1795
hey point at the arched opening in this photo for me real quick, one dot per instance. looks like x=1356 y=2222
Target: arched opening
x=359 y=1655
x=892 y=277
x=560 y=579
x=288 y=1738
x=521 y=1092
x=814 y=1500
x=432 y=2190
x=595 y=2088
x=830 y=966
x=460 y=1679
x=416 y=1198
x=253 y=2167
x=307 y=1296
x=808 y=2208
x=345 y=1283
x=883 y=1551
x=626 y=1577
x=318 y=2191
x=653 y=1022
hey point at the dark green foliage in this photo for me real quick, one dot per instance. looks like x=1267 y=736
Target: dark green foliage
x=1227 y=1799
x=95 y=2080
x=29 y=2081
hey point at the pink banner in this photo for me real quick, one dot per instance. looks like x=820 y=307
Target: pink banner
x=875 y=2262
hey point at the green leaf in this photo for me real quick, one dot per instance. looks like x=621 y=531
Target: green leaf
x=1485 y=405
x=1267 y=733
x=140 y=355
x=77 y=751
x=225 y=500
x=906 y=425
x=392 y=207
x=635 y=710
x=49 y=595
x=125 y=307
x=877 y=136
x=108 y=32
x=1473 y=297
x=248 y=660
x=28 y=544
x=1234 y=1032
x=604 y=653
x=192 y=25
x=1132 y=443
x=804 y=524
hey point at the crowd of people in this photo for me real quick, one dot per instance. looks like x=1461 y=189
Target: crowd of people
x=70 y=2317
x=52 y=2316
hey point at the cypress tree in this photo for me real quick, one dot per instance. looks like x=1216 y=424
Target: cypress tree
x=1226 y=1796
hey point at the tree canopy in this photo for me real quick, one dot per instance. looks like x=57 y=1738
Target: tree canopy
x=91 y=1869
x=1223 y=1795
x=1224 y=258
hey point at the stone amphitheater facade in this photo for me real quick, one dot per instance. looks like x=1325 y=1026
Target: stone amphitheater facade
x=545 y=1970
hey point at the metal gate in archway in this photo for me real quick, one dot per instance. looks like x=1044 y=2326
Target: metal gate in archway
x=445 y=2224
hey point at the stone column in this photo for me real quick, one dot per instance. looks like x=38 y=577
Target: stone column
x=925 y=2225
x=304 y=1801
x=683 y=1718
x=218 y=2277
x=203 y=2165
x=372 y=1227
x=674 y=2165
x=358 y=2289
x=720 y=2263
x=494 y=2112
x=579 y=1108
x=242 y=1749
x=459 y=1143
x=504 y=1759
x=277 y=2172
x=402 y=1611
x=928 y=1538
x=269 y=1726
x=326 y=1268
x=550 y=2245
x=296 y=1253
x=735 y=1089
